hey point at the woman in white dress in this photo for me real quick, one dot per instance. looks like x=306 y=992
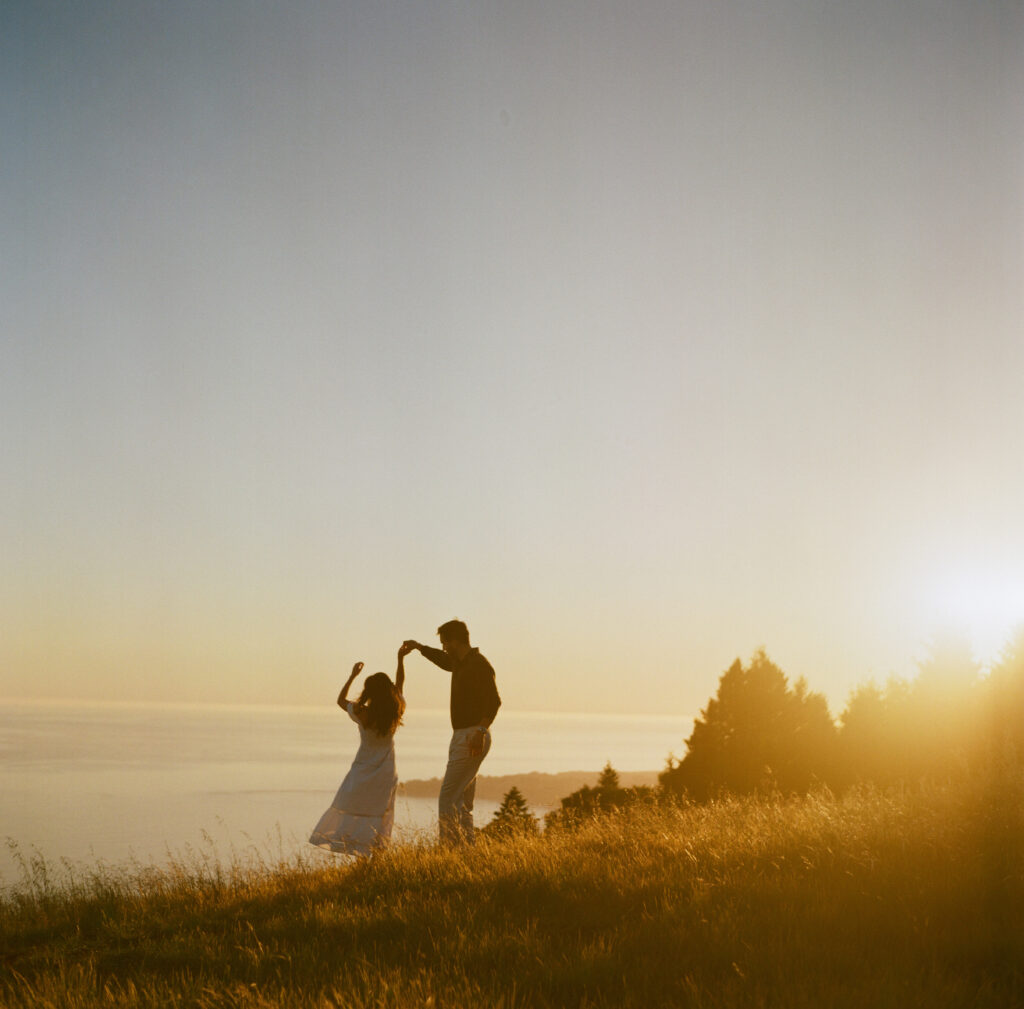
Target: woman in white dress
x=363 y=812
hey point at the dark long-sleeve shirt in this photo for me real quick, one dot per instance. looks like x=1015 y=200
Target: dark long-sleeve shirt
x=474 y=698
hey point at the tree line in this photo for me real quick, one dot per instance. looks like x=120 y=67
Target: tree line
x=760 y=733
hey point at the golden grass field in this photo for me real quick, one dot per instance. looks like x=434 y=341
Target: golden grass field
x=869 y=900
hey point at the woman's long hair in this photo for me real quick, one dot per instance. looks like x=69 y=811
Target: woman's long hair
x=380 y=706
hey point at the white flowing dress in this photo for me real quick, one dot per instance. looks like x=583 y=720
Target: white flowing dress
x=363 y=812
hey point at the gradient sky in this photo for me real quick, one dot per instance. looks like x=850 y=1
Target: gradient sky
x=637 y=336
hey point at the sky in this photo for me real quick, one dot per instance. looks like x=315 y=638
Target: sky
x=636 y=336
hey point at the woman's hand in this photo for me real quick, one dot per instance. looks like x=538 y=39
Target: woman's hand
x=356 y=670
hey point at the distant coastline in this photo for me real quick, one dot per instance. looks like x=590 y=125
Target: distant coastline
x=539 y=788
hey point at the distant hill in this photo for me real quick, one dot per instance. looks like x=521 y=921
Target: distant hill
x=539 y=788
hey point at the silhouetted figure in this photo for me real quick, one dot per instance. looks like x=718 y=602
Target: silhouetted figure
x=363 y=812
x=474 y=704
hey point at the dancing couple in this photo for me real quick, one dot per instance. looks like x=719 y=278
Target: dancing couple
x=363 y=812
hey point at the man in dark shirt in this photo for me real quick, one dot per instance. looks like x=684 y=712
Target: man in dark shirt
x=474 y=703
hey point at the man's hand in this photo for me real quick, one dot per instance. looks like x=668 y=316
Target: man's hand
x=476 y=743
x=407 y=647
x=410 y=646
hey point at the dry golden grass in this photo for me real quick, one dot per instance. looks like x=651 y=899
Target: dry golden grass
x=870 y=900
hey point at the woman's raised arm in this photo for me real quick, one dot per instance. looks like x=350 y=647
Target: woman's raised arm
x=400 y=671
x=343 y=696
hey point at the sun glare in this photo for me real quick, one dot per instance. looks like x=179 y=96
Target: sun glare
x=986 y=608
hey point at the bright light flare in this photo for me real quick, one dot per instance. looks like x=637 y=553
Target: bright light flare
x=987 y=608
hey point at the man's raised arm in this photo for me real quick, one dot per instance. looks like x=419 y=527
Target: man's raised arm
x=438 y=657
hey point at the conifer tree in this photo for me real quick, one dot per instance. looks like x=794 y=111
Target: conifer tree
x=609 y=779
x=513 y=816
x=757 y=732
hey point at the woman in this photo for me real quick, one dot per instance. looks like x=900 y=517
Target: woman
x=363 y=812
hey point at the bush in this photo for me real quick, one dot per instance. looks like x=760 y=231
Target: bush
x=590 y=801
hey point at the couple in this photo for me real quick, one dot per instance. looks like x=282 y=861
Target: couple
x=363 y=812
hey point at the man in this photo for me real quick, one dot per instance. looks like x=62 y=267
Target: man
x=474 y=704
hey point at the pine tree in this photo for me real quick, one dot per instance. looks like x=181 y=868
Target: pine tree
x=513 y=816
x=609 y=780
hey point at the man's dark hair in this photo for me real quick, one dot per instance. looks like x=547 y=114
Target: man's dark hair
x=454 y=630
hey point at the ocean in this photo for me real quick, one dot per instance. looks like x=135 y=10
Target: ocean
x=101 y=785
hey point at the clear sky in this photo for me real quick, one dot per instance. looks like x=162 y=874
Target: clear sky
x=635 y=335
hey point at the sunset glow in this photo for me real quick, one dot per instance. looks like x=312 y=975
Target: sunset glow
x=638 y=341
x=986 y=607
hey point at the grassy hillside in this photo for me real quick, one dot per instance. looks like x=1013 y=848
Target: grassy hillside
x=872 y=900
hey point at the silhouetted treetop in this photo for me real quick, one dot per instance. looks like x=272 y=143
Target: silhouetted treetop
x=756 y=732
x=513 y=816
x=609 y=778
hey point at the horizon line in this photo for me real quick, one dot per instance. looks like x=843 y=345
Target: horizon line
x=271 y=706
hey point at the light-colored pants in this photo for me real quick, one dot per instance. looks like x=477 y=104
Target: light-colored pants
x=455 y=803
